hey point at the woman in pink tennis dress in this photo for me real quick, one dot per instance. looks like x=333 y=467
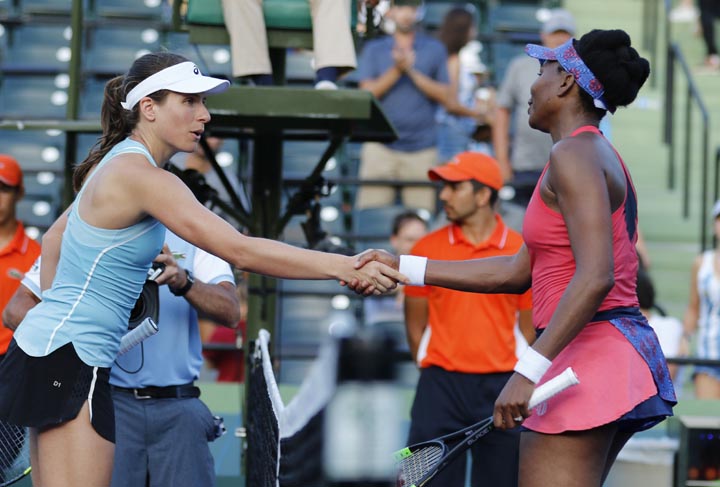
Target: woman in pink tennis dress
x=580 y=231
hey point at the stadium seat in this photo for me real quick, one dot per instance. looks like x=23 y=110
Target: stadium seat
x=43 y=185
x=140 y=9
x=294 y=371
x=212 y=59
x=28 y=97
x=35 y=150
x=298 y=67
x=112 y=49
x=37 y=48
x=288 y=24
x=93 y=91
x=46 y=7
x=40 y=213
x=435 y=10
x=363 y=244
x=375 y=223
x=305 y=321
x=302 y=286
x=300 y=158
x=293 y=232
x=335 y=228
x=85 y=142
x=3 y=33
x=501 y=55
x=514 y=17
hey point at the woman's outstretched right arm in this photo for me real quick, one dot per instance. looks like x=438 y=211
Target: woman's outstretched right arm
x=177 y=208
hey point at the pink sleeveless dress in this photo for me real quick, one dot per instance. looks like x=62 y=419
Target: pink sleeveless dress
x=623 y=375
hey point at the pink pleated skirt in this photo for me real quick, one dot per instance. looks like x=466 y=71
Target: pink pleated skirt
x=614 y=379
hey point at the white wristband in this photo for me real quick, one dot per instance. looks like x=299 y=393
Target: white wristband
x=532 y=365
x=413 y=267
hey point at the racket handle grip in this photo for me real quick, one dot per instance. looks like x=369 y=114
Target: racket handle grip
x=554 y=386
x=144 y=330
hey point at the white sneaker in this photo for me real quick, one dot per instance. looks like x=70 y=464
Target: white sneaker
x=710 y=66
x=683 y=14
x=325 y=85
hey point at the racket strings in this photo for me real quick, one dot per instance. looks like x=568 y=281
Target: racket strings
x=14 y=452
x=421 y=462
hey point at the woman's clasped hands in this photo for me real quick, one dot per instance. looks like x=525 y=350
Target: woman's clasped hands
x=375 y=272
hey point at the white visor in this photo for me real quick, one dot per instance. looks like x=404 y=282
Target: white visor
x=181 y=78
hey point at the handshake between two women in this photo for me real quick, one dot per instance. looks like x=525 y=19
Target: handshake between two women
x=375 y=272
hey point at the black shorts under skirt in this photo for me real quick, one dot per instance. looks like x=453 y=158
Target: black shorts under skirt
x=42 y=392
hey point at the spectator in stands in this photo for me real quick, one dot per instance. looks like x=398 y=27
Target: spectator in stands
x=407 y=72
x=407 y=228
x=333 y=46
x=17 y=250
x=464 y=342
x=709 y=12
x=163 y=369
x=702 y=318
x=199 y=161
x=229 y=364
x=520 y=149
x=17 y=254
x=58 y=362
x=668 y=329
x=209 y=189
x=485 y=96
x=458 y=117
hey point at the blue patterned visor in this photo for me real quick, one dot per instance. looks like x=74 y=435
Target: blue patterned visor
x=571 y=62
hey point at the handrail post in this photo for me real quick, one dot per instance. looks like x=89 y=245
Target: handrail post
x=687 y=154
x=669 y=136
x=716 y=185
x=650 y=34
x=705 y=182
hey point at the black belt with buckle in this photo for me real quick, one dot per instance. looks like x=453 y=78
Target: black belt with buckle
x=168 y=392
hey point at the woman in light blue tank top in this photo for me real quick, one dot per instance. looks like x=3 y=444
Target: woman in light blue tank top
x=96 y=258
x=702 y=317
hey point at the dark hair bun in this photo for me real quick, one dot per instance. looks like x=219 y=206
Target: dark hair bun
x=616 y=64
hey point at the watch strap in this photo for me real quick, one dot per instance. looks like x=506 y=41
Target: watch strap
x=188 y=284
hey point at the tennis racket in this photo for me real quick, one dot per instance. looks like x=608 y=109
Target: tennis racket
x=144 y=330
x=14 y=453
x=419 y=463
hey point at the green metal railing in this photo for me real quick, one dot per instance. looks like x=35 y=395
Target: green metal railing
x=677 y=63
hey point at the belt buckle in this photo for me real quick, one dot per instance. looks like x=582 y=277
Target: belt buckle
x=138 y=396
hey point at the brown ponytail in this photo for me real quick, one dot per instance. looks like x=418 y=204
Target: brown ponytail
x=116 y=122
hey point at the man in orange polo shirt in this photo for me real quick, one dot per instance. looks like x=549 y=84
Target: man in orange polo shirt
x=464 y=342
x=17 y=250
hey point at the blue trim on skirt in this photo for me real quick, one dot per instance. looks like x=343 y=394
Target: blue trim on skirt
x=633 y=325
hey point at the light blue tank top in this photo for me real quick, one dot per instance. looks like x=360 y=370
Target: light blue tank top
x=172 y=356
x=98 y=280
x=708 y=284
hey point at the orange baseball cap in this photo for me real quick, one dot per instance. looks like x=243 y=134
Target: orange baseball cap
x=10 y=172
x=470 y=165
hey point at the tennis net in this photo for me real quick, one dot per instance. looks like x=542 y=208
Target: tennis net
x=284 y=442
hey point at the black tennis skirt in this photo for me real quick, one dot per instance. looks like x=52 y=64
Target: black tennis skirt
x=42 y=392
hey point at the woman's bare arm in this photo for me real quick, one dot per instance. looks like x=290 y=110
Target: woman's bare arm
x=51 y=241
